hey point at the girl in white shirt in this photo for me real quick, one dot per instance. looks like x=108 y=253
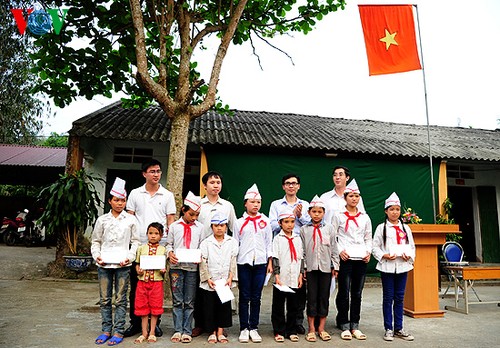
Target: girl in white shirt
x=394 y=249
x=254 y=235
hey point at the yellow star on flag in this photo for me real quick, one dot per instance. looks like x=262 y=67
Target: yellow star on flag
x=389 y=39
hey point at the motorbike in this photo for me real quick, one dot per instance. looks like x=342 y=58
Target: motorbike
x=8 y=225
x=35 y=234
x=15 y=233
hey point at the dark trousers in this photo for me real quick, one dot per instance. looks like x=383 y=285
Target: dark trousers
x=351 y=280
x=318 y=293
x=301 y=303
x=284 y=323
x=217 y=314
x=250 y=283
x=393 y=294
x=198 y=314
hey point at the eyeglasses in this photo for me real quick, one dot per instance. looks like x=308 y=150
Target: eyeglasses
x=291 y=184
x=154 y=172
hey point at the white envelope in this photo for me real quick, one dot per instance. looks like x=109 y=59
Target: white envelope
x=400 y=249
x=152 y=262
x=332 y=286
x=356 y=252
x=188 y=255
x=113 y=256
x=223 y=291
x=268 y=276
x=284 y=288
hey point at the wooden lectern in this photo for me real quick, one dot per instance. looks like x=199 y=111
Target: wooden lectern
x=422 y=288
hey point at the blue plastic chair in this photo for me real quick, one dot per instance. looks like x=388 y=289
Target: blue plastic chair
x=453 y=254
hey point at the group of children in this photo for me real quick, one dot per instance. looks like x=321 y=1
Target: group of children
x=314 y=258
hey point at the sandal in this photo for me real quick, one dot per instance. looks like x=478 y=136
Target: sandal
x=346 y=335
x=140 y=339
x=212 y=339
x=311 y=337
x=358 y=334
x=152 y=339
x=325 y=336
x=279 y=338
x=222 y=339
x=294 y=338
x=101 y=339
x=113 y=341
x=186 y=338
x=176 y=337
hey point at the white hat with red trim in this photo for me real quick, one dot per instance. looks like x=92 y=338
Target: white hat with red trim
x=252 y=193
x=392 y=200
x=352 y=187
x=192 y=201
x=118 y=189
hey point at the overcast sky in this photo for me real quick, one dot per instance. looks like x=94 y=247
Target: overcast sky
x=329 y=77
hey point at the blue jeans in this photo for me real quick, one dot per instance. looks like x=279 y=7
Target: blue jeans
x=184 y=284
x=393 y=289
x=250 y=283
x=351 y=280
x=118 y=278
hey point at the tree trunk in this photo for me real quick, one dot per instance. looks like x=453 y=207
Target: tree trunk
x=177 y=155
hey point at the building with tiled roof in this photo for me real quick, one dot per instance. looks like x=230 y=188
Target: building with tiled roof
x=260 y=147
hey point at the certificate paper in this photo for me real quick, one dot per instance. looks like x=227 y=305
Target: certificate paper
x=332 y=286
x=284 y=288
x=223 y=291
x=113 y=256
x=356 y=252
x=268 y=276
x=400 y=249
x=152 y=262
x=188 y=255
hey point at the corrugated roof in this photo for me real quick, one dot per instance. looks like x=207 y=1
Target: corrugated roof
x=25 y=155
x=294 y=131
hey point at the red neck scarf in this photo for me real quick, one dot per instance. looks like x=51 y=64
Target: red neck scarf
x=351 y=218
x=293 y=252
x=187 y=234
x=253 y=219
x=400 y=234
x=316 y=229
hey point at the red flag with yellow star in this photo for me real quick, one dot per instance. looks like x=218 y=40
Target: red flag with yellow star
x=390 y=41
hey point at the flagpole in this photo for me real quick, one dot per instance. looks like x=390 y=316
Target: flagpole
x=427 y=116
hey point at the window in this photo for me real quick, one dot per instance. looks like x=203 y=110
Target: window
x=131 y=155
x=458 y=171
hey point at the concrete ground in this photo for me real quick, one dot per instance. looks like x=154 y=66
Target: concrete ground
x=36 y=311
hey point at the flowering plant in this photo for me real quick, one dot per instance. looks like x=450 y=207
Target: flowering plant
x=410 y=216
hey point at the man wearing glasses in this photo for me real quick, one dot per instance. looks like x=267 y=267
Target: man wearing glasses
x=291 y=185
x=149 y=203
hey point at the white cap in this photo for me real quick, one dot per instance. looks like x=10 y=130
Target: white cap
x=252 y=193
x=352 y=187
x=284 y=212
x=392 y=200
x=317 y=202
x=218 y=219
x=118 y=189
x=192 y=201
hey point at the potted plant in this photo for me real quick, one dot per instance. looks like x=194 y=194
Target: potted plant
x=70 y=207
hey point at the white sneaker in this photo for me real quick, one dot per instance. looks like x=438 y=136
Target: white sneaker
x=254 y=335
x=389 y=335
x=244 y=336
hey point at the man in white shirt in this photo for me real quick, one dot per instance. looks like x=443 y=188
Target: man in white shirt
x=334 y=199
x=149 y=203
